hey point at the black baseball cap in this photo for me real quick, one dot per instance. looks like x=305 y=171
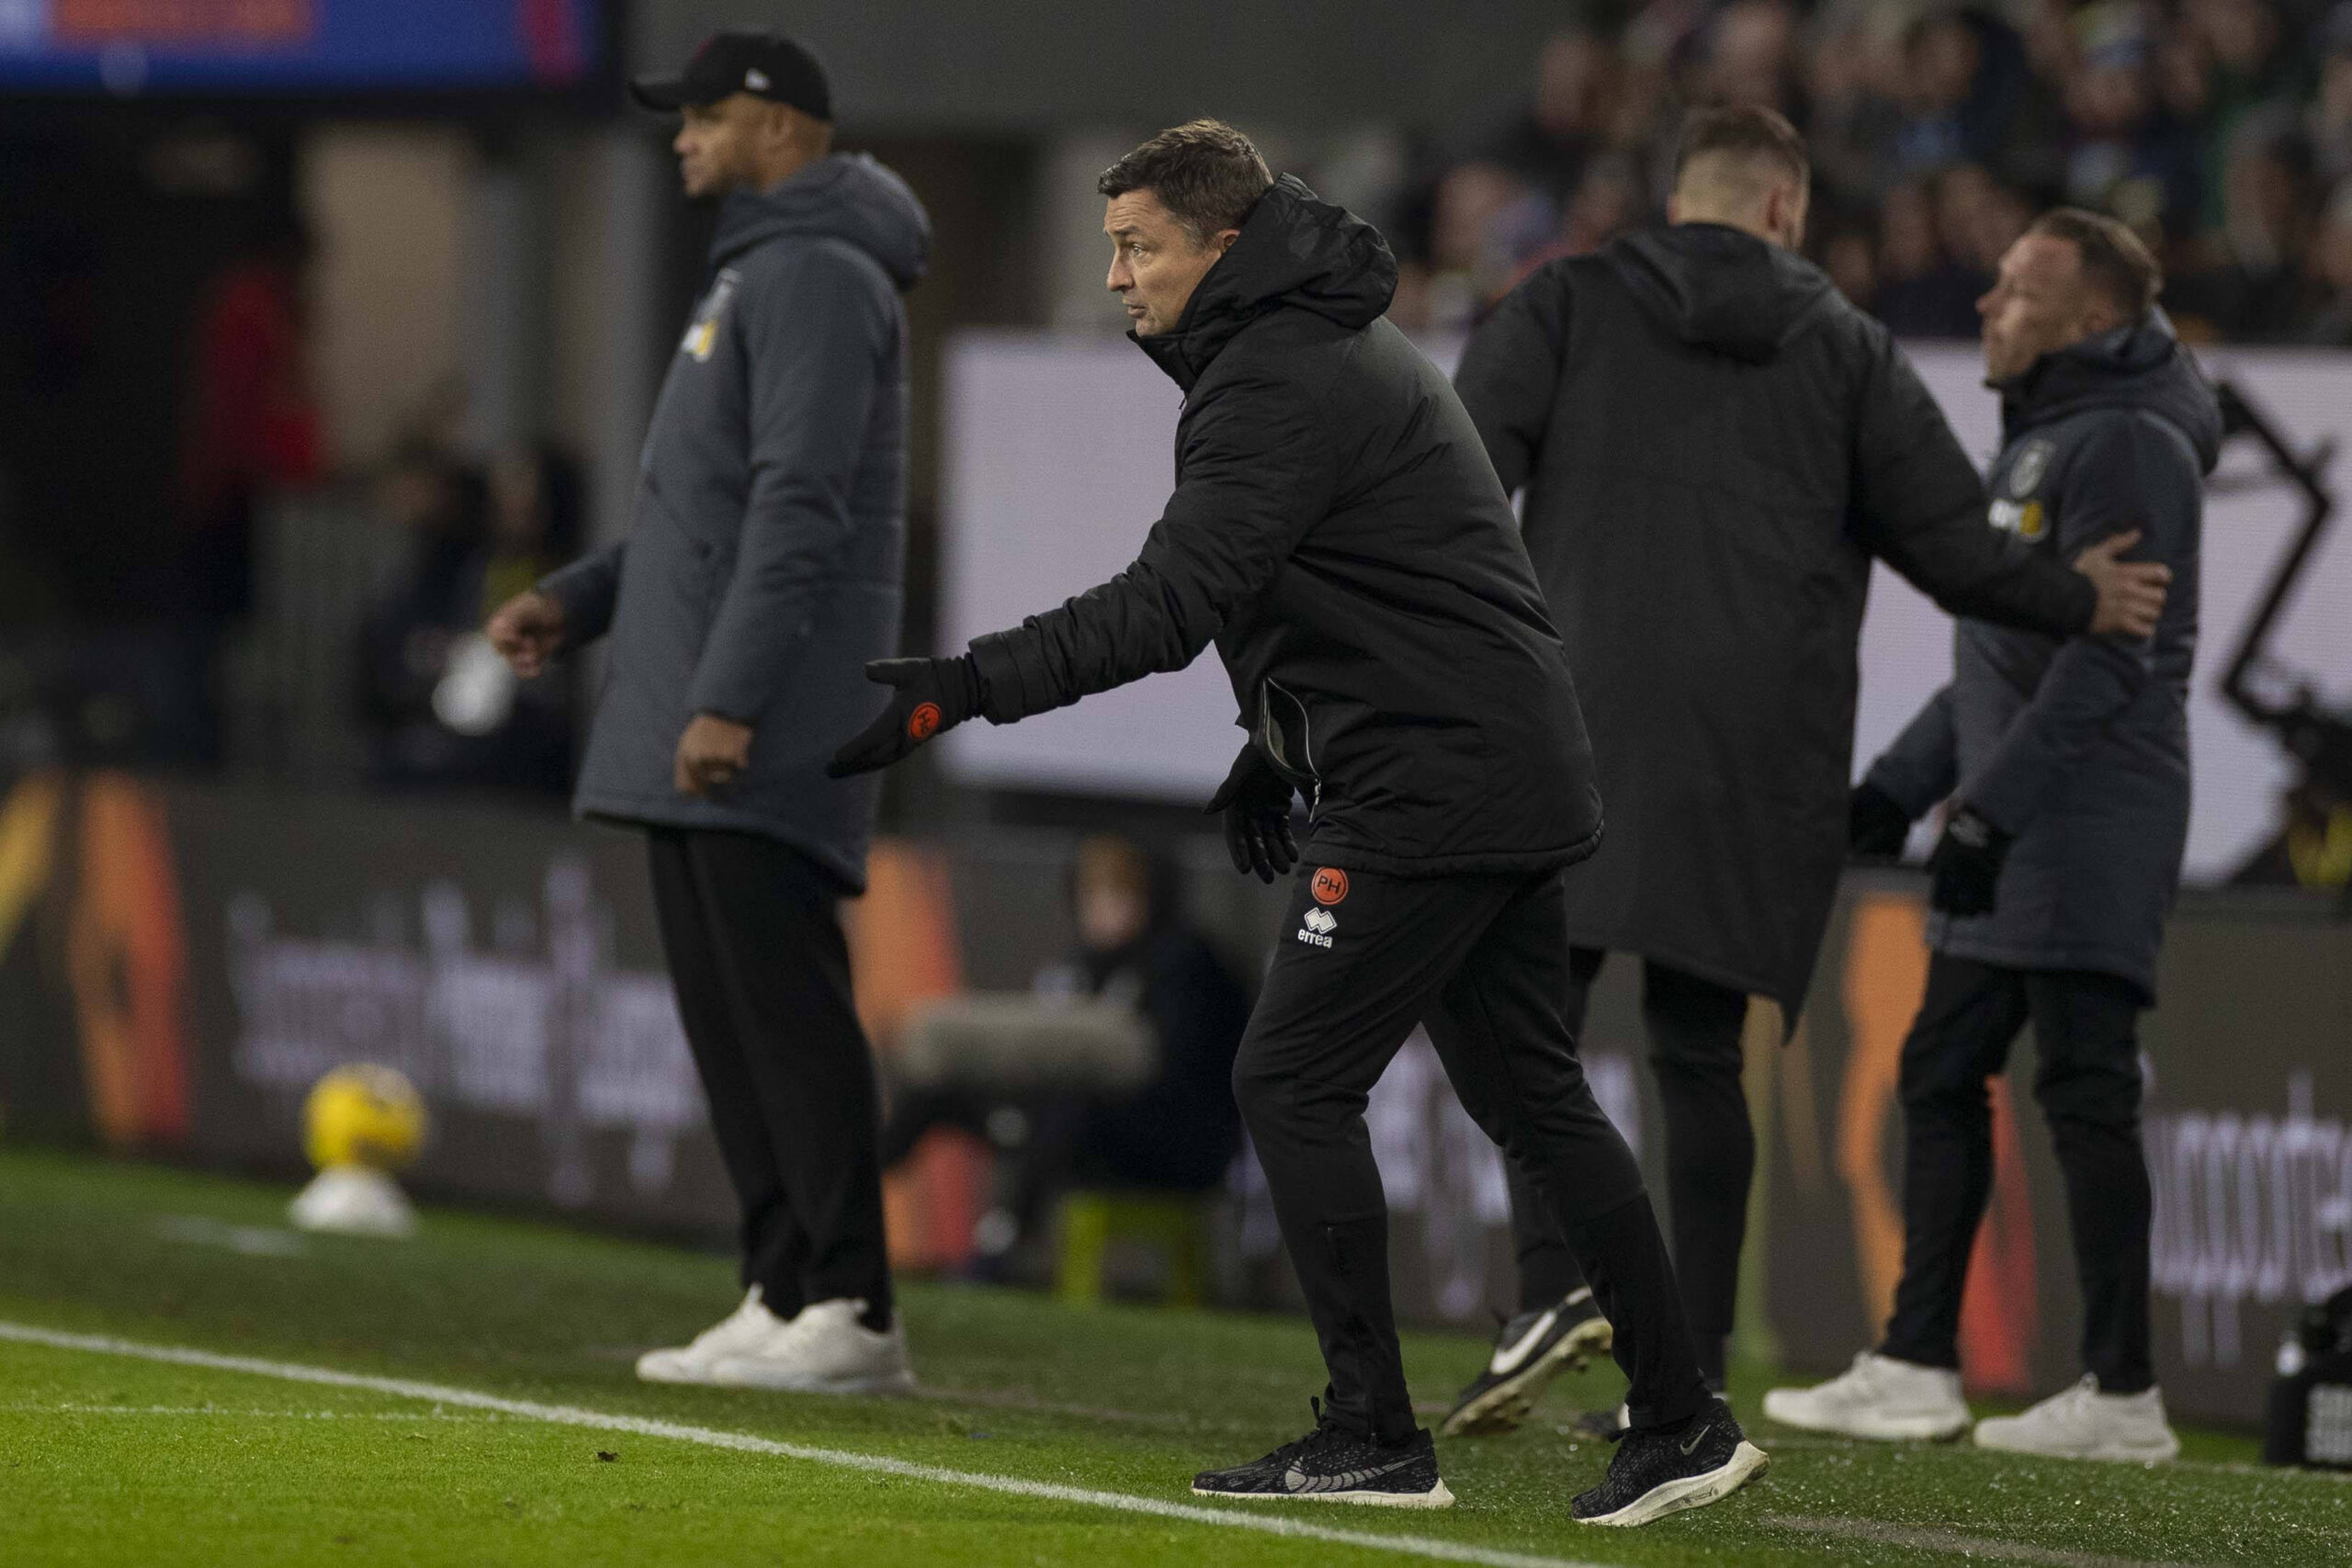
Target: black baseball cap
x=742 y=60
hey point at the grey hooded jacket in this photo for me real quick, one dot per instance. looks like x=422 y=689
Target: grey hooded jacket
x=2079 y=748
x=763 y=568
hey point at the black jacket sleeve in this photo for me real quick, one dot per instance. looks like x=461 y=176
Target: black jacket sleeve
x=1509 y=372
x=1920 y=507
x=1923 y=764
x=1258 y=470
x=2135 y=472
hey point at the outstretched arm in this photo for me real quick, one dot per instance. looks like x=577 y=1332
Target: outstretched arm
x=1921 y=509
x=1259 y=470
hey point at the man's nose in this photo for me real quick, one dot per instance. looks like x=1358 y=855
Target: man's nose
x=681 y=141
x=1121 y=279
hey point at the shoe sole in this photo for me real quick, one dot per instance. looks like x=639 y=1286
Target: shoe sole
x=678 y=1378
x=1436 y=1498
x=2106 y=1454
x=889 y=1382
x=1748 y=1461
x=1503 y=1407
x=1895 y=1429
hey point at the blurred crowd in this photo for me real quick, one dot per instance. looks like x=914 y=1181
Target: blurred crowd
x=440 y=706
x=2220 y=129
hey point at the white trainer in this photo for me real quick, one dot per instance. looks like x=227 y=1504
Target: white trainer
x=748 y=1324
x=825 y=1351
x=2083 y=1423
x=1877 y=1397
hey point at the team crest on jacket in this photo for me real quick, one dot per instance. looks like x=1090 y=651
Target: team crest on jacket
x=2033 y=461
x=702 y=333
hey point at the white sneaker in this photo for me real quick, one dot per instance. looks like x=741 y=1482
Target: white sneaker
x=825 y=1351
x=1877 y=1397
x=2083 y=1423
x=747 y=1326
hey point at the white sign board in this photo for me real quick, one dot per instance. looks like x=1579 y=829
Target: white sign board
x=1060 y=458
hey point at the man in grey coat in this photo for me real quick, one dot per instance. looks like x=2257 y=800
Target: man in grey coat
x=761 y=576
x=2067 y=764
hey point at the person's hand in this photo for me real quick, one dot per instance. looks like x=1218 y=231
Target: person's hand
x=713 y=754
x=1876 y=824
x=1966 y=864
x=2131 y=593
x=527 y=630
x=928 y=695
x=1255 y=801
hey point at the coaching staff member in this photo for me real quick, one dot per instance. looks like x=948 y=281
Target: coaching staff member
x=1714 y=446
x=761 y=576
x=1336 y=531
x=2067 y=764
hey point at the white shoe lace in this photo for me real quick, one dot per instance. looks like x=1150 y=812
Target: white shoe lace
x=736 y=1327
x=1858 y=1385
x=2071 y=1410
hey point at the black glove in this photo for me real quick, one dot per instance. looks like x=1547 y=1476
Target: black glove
x=1966 y=864
x=1256 y=802
x=932 y=694
x=1876 y=826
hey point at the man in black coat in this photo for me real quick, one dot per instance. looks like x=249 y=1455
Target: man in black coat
x=1336 y=531
x=1714 y=446
x=2067 y=764
x=761 y=577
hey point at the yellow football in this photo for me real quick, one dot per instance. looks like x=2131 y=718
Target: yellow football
x=362 y=1114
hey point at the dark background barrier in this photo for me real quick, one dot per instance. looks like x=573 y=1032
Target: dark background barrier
x=178 y=963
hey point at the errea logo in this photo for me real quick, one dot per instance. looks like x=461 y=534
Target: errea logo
x=1317 y=926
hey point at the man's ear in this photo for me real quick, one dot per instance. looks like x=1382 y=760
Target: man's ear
x=2099 y=315
x=1225 y=238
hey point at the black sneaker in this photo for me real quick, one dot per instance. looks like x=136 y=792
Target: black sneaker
x=1333 y=1464
x=1658 y=1471
x=1529 y=1352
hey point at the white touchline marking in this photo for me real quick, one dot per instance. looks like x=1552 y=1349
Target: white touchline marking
x=743 y=1442
x=33 y=1407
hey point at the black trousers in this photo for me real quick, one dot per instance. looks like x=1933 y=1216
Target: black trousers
x=1694 y=1028
x=1482 y=961
x=2085 y=1029
x=751 y=929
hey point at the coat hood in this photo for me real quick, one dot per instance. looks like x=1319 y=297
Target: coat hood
x=1719 y=288
x=846 y=196
x=2142 y=366
x=1295 y=250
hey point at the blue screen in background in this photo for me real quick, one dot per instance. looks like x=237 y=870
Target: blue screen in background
x=294 y=46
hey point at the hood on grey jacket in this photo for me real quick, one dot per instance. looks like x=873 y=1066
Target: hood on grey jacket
x=2142 y=366
x=1719 y=288
x=848 y=196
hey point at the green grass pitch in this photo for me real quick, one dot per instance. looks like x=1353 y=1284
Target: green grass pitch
x=1044 y=1435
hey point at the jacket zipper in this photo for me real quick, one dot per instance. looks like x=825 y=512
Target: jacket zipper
x=1305 y=739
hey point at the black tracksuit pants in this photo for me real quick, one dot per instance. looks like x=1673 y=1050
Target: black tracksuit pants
x=2085 y=1030
x=1695 y=1028
x=1482 y=961
x=751 y=929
